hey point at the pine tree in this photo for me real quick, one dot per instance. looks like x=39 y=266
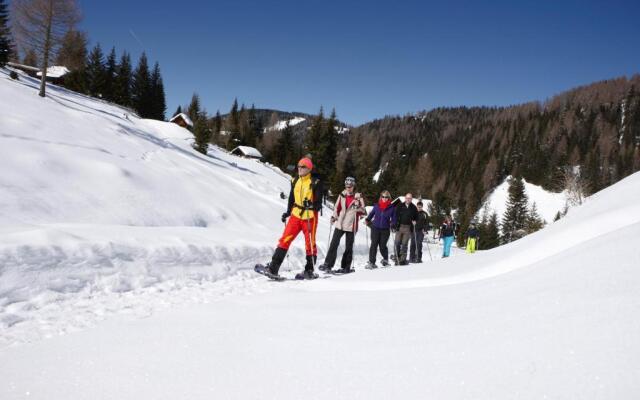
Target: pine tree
x=253 y=128
x=234 y=126
x=141 y=94
x=73 y=52
x=463 y=220
x=159 y=105
x=364 y=172
x=217 y=128
x=6 y=42
x=245 y=130
x=111 y=70
x=202 y=133
x=96 y=73
x=314 y=144
x=193 y=111
x=534 y=221
x=514 y=221
x=73 y=55
x=329 y=138
x=284 y=152
x=122 y=89
x=490 y=236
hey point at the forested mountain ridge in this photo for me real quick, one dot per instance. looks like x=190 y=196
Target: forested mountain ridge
x=457 y=155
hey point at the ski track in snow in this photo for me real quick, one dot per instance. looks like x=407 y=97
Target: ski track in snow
x=67 y=308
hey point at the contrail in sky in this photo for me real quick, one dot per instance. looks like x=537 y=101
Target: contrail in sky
x=136 y=37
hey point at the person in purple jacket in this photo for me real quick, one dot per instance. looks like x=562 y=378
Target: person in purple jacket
x=380 y=220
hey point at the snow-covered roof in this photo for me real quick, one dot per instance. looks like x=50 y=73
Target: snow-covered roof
x=184 y=117
x=56 y=71
x=248 y=151
x=23 y=67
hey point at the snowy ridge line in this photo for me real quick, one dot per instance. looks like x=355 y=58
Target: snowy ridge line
x=112 y=254
x=499 y=269
x=604 y=214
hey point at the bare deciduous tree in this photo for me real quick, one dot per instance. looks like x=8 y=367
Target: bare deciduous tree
x=577 y=188
x=40 y=25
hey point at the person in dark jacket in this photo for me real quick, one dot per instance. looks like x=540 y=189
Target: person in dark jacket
x=447 y=234
x=380 y=220
x=305 y=202
x=473 y=236
x=406 y=217
x=421 y=228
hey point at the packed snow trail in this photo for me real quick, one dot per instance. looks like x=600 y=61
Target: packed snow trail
x=564 y=328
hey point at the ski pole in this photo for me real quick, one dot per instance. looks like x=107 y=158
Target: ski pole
x=288 y=261
x=367 y=235
x=415 y=239
x=353 y=245
x=395 y=250
x=428 y=249
x=311 y=237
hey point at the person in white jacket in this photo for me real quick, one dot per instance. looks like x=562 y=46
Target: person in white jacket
x=348 y=210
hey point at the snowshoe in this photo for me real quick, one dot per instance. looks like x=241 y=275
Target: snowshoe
x=384 y=263
x=266 y=271
x=324 y=267
x=306 y=275
x=371 y=265
x=343 y=271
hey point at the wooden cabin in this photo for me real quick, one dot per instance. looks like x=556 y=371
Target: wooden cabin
x=183 y=120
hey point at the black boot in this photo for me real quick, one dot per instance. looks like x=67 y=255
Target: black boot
x=308 y=269
x=311 y=261
x=276 y=260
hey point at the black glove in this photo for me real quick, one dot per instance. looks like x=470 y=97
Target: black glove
x=307 y=204
x=284 y=217
x=367 y=221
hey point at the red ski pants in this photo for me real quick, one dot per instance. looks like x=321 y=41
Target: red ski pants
x=307 y=226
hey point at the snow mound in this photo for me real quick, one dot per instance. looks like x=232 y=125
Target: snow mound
x=547 y=203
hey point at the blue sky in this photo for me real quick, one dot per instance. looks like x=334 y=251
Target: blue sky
x=370 y=59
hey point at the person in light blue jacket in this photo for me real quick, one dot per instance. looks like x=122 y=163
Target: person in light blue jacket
x=447 y=234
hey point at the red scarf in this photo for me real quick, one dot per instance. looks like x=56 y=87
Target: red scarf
x=383 y=204
x=348 y=199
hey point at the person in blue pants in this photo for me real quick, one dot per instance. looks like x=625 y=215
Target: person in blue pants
x=447 y=234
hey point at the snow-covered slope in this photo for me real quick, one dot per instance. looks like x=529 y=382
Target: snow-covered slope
x=280 y=125
x=96 y=200
x=547 y=203
x=553 y=315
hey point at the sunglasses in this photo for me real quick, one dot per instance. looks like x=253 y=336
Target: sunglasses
x=385 y=197
x=303 y=166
